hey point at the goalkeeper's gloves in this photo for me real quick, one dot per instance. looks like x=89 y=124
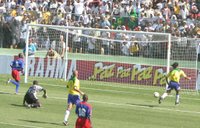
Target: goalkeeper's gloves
x=45 y=96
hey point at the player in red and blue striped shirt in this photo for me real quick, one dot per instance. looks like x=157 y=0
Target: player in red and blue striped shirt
x=17 y=66
x=84 y=112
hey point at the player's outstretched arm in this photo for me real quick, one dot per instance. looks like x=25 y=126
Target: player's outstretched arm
x=166 y=78
x=45 y=93
x=78 y=90
x=188 y=78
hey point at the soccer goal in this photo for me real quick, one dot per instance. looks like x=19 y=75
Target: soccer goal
x=111 y=57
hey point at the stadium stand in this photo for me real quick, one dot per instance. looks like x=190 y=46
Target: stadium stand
x=181 y=18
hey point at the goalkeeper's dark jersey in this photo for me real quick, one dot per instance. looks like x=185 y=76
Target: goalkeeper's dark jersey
x=34 y=89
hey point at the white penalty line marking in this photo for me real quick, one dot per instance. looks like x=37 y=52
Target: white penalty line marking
x=118 y=86
x=154 y=108
x=115 y=86
x=126 y=87
x=26 y=126
x=134 y=105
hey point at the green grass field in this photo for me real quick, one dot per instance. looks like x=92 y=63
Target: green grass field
x=114 y=106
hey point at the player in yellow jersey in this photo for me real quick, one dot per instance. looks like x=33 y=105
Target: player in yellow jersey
x=174 y=76
x=74 y=94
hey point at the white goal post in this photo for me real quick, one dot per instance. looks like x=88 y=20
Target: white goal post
x=108 y=55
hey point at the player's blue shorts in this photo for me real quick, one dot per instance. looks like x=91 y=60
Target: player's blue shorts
x=173 y=85
x=73 y=99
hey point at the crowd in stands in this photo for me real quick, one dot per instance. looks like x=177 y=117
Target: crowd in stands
x=181 y=18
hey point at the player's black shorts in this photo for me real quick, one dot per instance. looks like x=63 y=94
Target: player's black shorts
x=30 y=98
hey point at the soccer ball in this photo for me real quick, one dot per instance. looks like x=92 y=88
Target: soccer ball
x=156 y=94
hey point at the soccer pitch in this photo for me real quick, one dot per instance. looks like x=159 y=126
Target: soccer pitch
x=114 y=106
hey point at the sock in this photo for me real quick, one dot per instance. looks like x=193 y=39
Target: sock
x=16 y=84
x=164 y=96
x=67 y=113
x=177 y=98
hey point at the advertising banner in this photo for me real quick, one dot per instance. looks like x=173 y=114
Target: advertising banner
x=101 y=71
x=106 y=71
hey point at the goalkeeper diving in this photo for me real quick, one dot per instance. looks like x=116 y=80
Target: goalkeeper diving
x=30 y=99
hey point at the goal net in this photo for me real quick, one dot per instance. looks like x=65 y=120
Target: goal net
x=110 y=57
x=185 y=52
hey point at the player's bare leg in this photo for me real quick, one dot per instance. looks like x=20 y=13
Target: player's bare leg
x=67 y=113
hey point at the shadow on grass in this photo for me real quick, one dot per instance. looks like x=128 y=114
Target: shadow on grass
x=41 y=122
x=5 y=93
x=17 y=105
x=143 y=105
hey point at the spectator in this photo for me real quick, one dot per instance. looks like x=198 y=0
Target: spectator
x=85 y=41
x=52 y=54
x=116 y=11
x=69 y=8
x=60 y=47
x=104 y=22
x=104 y=8
x=152 y=16
x=31 y=49
x=125 y=46
x=77 y=47
x=194 y=11
x=91 y=43
x=106 y=43
x=78 y=9
x=86 y=19
x=177 y=9
x=134 y=49
x=166 y=12
x=22 y=34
